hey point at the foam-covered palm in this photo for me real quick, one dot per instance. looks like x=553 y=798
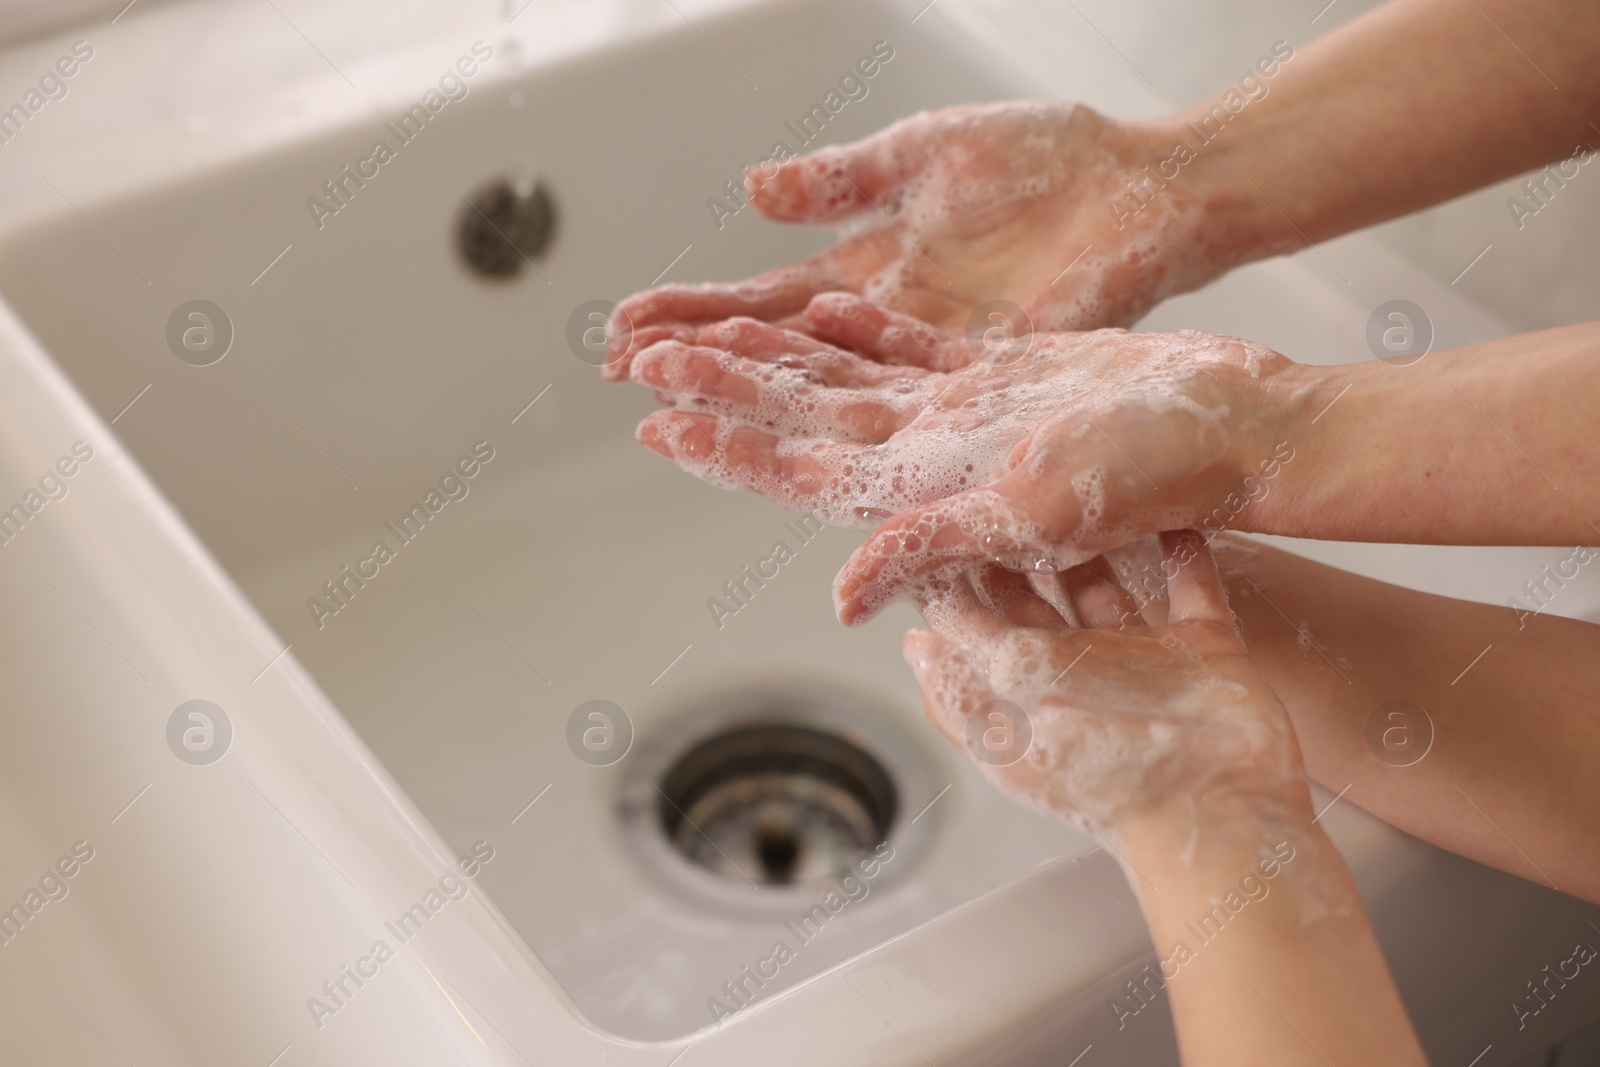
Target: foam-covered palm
x=1125 y=718
x=964 y=206
x=1084 y=443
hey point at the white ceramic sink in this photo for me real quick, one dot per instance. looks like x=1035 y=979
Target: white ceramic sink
x=429 y=712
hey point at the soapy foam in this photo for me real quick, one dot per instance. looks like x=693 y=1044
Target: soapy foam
x=987 y=161
x=1133 y=728
x=934 y=442
x=1129 y=730
x=1119 y=751
x=956 y=431
x=963 y=169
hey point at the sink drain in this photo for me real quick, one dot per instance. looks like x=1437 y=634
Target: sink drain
x=777 y=805
x=767 y=797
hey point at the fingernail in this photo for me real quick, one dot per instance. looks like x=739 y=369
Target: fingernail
x=649 y=435
x=856 y=610
x=844 y=608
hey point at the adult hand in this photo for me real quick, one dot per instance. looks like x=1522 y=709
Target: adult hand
x=1027 y=202
x=1086 y=442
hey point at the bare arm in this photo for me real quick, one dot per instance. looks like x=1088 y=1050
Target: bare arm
x=1509 y=778
x=1485 y=444
x=1267 y=951
x=1400 y=455
x=1082 y=221
x=1410 y=105
x=1165 y=742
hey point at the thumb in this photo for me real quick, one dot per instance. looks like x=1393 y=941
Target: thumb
x=927 y=547
x=835 y=184
x=1195 y=591
x=1022 y=521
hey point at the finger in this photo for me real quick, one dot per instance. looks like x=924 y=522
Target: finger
x=838 y=183
x=795 y=323
x=791 y=348
x=735 y=455
x=884 y=336
x=761 y=340
x=782 y=399
x=678 y=371
x=913 y=548
x=778 y=296
x=956 y=607
x=683 y=437
x=1137 y=565
x=1052 y=589
x=1098 y=598
x=1195 y=592
x=1013 y=597
x=769 y=296
x=624 y=343
x=983 y=525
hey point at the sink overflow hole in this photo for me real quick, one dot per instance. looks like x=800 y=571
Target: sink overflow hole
x=506 y=225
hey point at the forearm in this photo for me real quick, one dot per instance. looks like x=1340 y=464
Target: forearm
x=1265 y=949
x=1486 y=444
x=1498 y=763
x=1410 y=105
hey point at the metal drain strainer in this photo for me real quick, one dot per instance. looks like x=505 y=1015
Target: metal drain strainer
x=763 y=798
x=777 y=804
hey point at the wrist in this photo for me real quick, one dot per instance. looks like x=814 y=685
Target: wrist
x=1208 y=847
x=1222 y=178
x=1263 y=394
x=1298 y=401
x=1248 y=143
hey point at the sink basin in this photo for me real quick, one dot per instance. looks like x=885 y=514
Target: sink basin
x=577 y=565
x=350 y=382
